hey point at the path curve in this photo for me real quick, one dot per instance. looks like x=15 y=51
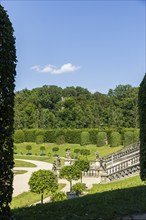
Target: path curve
x=20 y=182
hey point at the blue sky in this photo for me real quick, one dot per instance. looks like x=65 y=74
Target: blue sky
x=93 y=44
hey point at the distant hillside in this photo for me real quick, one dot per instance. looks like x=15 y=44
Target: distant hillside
x=76 y=107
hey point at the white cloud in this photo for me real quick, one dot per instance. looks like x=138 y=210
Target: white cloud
x=65 y=68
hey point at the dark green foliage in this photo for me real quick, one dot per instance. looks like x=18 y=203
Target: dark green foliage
x=39 y=139
x=85 y=138
x=73 y=136
x=19 y=136
x=42 y=149
x=7 y=85
x=101 y=139
x=55 y=149
x=85 y=152
x=115 y=139
x=93 y=135
x=128 y=138
x=142 y=117
x=50 y=136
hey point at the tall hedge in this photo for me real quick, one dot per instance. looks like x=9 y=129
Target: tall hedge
x=115 y=139
x=101 y=139
x=128 y=138
x=85 y=138
x=142 y=118
x=7 y=85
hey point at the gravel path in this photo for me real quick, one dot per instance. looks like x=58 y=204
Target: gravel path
x=20 y=182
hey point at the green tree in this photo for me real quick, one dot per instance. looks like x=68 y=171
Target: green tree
x=42 y=149
x=70 y=173
x=28 y=148
x=43 y=181
x=83 y=166
x=142 y=117
x=7 y=85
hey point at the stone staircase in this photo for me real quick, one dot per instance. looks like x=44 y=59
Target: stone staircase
x=121 y=164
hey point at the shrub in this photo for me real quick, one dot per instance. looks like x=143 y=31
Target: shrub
x=28 y=148
x=115 y=139
x=79 y=188
x=39 y=139
x=101 y=139
x=55 y=149
x=58 y=196
x=85 y=138
x=128 y=138
x=19 y=136
x=60 y=139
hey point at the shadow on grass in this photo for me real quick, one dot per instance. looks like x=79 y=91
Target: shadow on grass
x=104 y=206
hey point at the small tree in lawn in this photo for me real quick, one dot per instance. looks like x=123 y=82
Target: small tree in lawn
x=28 y=148
x=42 y=149
x=43 y=181
x=55 y=149
x=83 y=166
x=70 y=173
x=79 y=188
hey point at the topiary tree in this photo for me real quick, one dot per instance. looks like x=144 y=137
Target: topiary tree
x=43 y=181
x=85 y=152
x=42 y=149
x=55 y=149
x=142 y=118
x=82 y=165
x=7 y=85
x=70 y=173
x=28 y=148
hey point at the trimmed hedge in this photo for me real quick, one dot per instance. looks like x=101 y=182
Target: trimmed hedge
x=115 y=139
x=101 y=139
x=78 y=136
x=128 y=138
x=85 y=138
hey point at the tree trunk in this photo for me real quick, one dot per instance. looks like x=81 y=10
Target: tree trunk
x=70 y=185
x=42 y=198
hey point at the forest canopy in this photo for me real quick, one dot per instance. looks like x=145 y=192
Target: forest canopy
x=76 y=107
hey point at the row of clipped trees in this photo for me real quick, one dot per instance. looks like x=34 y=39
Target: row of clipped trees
x=78 y=136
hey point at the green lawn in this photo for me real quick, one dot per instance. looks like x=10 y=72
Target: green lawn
x=21 y=151
x=20 y=172
x=107 y=205
x=28 y=198
x=20 y=163
x=121 y=184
